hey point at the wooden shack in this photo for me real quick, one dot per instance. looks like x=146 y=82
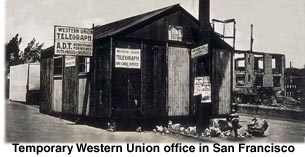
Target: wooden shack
x=140 y=65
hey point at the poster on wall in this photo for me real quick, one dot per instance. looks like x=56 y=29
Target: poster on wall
x=127 y=58
x=70 y=61
x=202 y=86
x=200 y=51
x=73 y=41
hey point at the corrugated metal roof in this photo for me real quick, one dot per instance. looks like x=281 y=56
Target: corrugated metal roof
x=121 y=25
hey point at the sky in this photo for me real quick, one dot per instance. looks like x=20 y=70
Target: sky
x=279 y=25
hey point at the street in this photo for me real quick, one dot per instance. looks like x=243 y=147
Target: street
x=279 y=131
x=24 y=123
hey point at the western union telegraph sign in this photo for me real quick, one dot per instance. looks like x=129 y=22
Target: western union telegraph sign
x=73 y=41
x=127 y=58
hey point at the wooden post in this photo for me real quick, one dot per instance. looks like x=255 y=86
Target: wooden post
x=224 y=31
x=91 y=79
x=251 y=39
x=234 y=34
x=110 y=78
x=63 y=83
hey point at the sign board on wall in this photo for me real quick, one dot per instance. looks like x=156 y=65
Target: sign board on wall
x=200 y=51
x=70 y=61
x=202 y=86
x=127 y=58
x=73 y=41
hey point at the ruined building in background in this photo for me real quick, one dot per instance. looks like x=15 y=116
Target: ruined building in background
x=295 y=83
x=258 y=75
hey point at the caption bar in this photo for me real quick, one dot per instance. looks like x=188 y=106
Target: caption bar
x=151 y=148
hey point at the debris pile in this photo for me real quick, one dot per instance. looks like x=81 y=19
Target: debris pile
x=111 y=126
x=257 y=127
x=139 y=129
x=161 y=129
x=175 y=129
x=222 y=128
x=229 y=127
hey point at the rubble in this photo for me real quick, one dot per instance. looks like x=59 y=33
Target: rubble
x=191 y=130
x=111 y=126
x=257 y=127
x=139 y=129
x=221 y=128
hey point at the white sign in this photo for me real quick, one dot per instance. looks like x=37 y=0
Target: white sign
x=70 y=61
x=73 y=41
x=200 y=51
x=202 y=86
x=127 y=58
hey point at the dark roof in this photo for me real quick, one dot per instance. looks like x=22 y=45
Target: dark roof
x=216 y=41
x=125 y=24
x=47 y=52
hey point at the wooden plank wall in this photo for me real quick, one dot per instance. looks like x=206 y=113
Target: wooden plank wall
x=159 y=78
x=221 y=82
x=57 y=95
x=19 y=82
x=46 y=75
x=83 y=97
x=100 y=80
x=178 y=81
x=153 y=74
x=70 y=89
x=147 y=67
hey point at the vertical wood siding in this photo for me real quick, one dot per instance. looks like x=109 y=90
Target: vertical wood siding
x=178 y=81
x=83 y=96
x=153 y=74
x=70 y=87
x=46 y=75
x=57 y=96
x=221 y=82
x=100 y=85
x=19 y=82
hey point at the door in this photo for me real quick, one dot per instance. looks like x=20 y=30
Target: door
x=70 y=88
x=126 y=92
x=178 y=81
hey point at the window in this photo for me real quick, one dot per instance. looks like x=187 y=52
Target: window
x=83 y=64
x=273 y=63
x=58 y=65
x=175 y=33
x=240 y=80
x=276 y=81
x=240 y=65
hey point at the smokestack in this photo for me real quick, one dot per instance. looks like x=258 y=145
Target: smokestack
x=204 y=14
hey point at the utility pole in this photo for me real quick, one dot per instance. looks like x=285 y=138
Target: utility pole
x=251 y=39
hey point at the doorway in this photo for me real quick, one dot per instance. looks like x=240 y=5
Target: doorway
x=126 y=92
